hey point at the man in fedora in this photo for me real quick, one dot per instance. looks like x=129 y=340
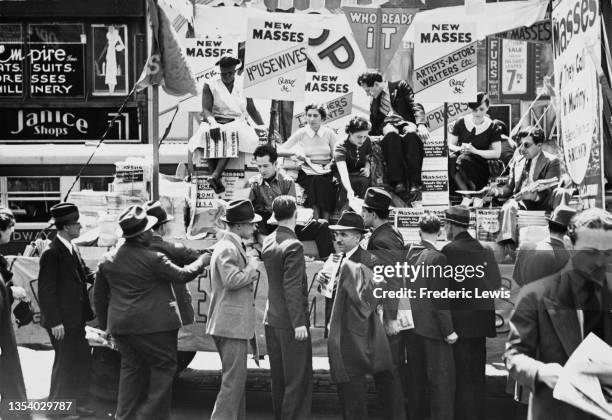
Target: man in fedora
x=544 y=258
x=357 y=342
x=287 y=319
x=65 y=308
x=223 y=102
x=176 y=252
x=134 y=301
x=231 y=313
x=473 y=318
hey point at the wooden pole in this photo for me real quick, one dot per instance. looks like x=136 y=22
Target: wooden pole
x=273 y=115
x=154 y=113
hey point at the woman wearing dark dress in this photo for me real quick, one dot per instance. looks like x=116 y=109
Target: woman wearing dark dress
x=474 y=140
x=352 y=158
x=12 y=386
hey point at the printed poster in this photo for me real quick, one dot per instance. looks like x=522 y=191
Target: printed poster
x=445 y=60
x=203 y=53
x=275 y=59
x=577 y=56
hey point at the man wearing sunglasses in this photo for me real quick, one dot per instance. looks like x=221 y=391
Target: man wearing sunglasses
x=533 y=165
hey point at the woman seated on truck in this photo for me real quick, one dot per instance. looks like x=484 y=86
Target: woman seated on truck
x=352 y=158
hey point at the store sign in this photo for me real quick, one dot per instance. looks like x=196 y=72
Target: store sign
x=44 y=124
x=538 y=32
x=493 y=67
x=514 y=67
x=57 y=70
x=11 y=69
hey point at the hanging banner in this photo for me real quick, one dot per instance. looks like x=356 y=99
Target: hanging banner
x=275 y=59
x=577 y=54
x=379 y=32
x=538 y=32
x=203 y=53
x=445 y=61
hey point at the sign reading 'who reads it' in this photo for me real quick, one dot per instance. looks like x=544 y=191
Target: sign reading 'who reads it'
x=445 y=62
x=275 y=60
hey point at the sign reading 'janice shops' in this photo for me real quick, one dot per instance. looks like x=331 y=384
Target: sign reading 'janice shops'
x=275 y=60
x=59 y=124
x=445 y=61
x=577 y=53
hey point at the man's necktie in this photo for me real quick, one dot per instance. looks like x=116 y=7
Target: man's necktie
x=525 y=173
x=385 y=103
x=593 y=315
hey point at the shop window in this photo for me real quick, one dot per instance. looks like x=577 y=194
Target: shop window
x=31 y=198
x=11 y=60
x=110 y=59
x=95 y=183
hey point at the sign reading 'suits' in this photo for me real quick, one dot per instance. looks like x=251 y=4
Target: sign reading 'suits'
x=275 y=60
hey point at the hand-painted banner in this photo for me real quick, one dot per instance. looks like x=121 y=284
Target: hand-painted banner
x=445 y=59
x=577 y=52
x=538 y=32
x=275 y=59
x=336 y=108
x=379 y=32
x=203 y=53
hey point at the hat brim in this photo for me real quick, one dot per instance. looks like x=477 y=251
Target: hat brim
x=151 y=221
x=365 y=206
x=554 y=222
x=340 y=227
x=255 y=219
x=166 y=220
x=446 y=219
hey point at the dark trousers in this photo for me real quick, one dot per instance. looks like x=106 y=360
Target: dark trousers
x=71 y=366
x=404 y=157
x=291 y=371
x=354 y=399
x=429 y=378
x=315 y=230
x=470 y=361
x=148 y=366
x=231 y=399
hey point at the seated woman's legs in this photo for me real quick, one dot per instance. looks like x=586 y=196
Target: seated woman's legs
x=360 y=184
x=217 y=166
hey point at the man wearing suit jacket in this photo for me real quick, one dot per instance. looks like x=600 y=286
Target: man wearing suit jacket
x=287 y=318
x=178 y=254
x=554 y=314
x=546 y=257
x=231 y=313
x=535 y=165
x=403 y=123
x=134 y=301
x=357 y=343
x=65 y=308
x=430 y=355
x=473 y=318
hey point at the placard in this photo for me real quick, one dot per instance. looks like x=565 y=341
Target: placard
x=203 y=53
x=407 y=221
x=66 y=123
x=487 y=224
x=577 y=52
x=514 y=67
x=538 y=32
x=57 y=70
x=110 y=59
x=435 y=188
x=445 y=60
x=275 y=59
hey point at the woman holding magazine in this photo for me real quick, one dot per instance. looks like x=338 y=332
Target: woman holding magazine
x=313 y=146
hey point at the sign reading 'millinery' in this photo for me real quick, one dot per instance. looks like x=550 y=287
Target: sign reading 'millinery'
x=57 y=70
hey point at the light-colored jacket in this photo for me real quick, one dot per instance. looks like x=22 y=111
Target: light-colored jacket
x=231 y=313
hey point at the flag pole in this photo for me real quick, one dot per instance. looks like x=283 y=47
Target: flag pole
x=154 y=112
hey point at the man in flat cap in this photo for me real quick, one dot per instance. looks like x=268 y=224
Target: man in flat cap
x=133 y=299
x=65 y=307
x=473 y=318
x=223 y=102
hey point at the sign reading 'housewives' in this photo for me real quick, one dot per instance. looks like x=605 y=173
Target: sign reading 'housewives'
x=275 y=60
x=445 y=62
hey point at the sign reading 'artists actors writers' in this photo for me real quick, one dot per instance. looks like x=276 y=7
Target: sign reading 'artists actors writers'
x=275 y=60
x=445 y=61
x=22 y=124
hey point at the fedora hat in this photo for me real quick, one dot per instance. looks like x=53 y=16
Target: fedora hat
x=377 y=199
x=65 y=213
x=134 y=221
x=459 y=215
x=228 y=61
x=155 y=209
x=240 y=211
x=562 y=215
x=349 y=220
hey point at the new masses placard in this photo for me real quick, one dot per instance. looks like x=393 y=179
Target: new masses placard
x=275 y=60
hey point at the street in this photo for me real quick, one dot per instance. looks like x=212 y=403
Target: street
x=190 y=400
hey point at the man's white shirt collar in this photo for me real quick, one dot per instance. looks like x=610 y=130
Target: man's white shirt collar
x=66 y=243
